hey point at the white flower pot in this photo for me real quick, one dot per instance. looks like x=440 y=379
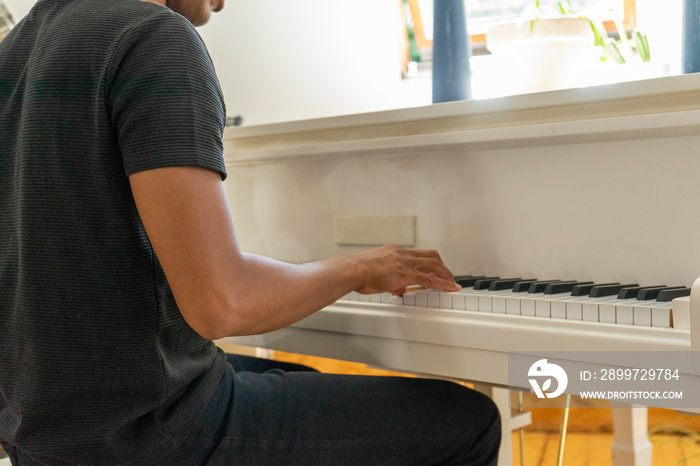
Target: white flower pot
x=542 y=55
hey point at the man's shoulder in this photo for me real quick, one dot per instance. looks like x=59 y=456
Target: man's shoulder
x=118 y=15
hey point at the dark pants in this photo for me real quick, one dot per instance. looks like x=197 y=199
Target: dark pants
x=266 y=413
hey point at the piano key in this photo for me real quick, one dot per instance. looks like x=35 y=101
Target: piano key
x=563 y=287
x=433 y=298
x=540 y=286
x=600 y=291
x=661 y=316
x=525 y=304
x=467 y=281
x=642 y=314
x=486 y=300
x=409 y=299
x=484 y=283
x=585 y=289
x=396 y=300
x=446 y=299
x=633 y=292
x=669 y=294
x=421 y=298
x=581 y=294
x=528 y=303
x=607 y=303
x=607 y=312
x=505 y=283
x=458 y=302
x=513 y=302
x=523 y=285
x=624 y=313
x=543 y=302
x=653 y=293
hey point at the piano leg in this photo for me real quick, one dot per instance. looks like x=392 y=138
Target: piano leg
x=631 y=445
x=510 y=420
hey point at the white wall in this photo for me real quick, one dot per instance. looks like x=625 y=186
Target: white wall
x=280 y=60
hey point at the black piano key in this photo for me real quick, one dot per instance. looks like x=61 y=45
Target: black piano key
x=523 y=285
x=563 y=287
x=539 y=287
x=504 y=284
x=653 y=293
x=600 y=291
x=466 y=281
x=585 y=290
x=484 y=283
x=632 y=292
x=671 y=294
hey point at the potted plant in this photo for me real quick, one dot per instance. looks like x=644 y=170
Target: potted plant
x=553 y=47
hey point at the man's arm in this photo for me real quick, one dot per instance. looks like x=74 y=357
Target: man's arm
x=222 y=291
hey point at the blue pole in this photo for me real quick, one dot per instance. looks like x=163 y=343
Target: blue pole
x=451 y=52
x=690 y=47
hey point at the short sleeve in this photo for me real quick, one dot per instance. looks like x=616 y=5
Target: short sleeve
x=164 y=99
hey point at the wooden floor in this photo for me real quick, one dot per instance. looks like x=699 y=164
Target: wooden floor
x=674 y=437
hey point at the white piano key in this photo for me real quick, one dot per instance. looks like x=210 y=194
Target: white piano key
x=528 y=306
x=558 y=306
x=386 y=298
x=543 y=304
x=433 y=298
x=409 y=299
x=574 y=310
x=498 y=304
x=422 y=298
x=661 y=316
x=458 y=301
x=365 y=298
x=446 y=299
x=375 y=298
x=471 y=302
x=486 y=299
x=558 y=309
x=591 y=307
x=513 y=303
x=607 y=311
x=642 y=314
x=396 y=300
x=354 y=296
x=625 y=313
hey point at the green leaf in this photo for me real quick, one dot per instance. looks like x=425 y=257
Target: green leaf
x=612 y=48
x=642 y=45
x=599 y=33
x=564 y=6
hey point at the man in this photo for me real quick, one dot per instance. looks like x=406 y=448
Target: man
x=119 y=266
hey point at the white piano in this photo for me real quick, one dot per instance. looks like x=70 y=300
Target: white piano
x=591 y=185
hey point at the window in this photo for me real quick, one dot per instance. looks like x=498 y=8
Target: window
x=483 y=13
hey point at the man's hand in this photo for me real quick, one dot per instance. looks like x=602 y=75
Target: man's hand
x=392 y=269
x=223 y=291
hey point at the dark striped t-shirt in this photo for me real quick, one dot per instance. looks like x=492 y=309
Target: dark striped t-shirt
x=97 y=365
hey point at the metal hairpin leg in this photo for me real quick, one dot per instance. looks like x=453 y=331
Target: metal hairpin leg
x=562 y=435
x=521 y=431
